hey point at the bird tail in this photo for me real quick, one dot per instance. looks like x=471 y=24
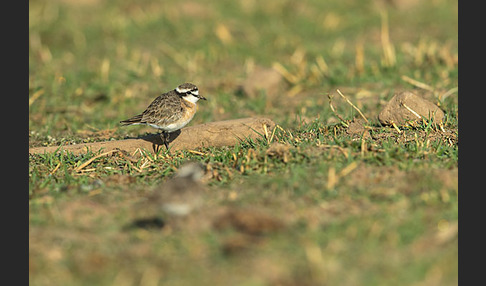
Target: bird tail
x=134 y=120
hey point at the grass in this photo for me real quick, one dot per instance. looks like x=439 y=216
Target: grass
x=370 y=207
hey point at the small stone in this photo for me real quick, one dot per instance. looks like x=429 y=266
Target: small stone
x=405 y=106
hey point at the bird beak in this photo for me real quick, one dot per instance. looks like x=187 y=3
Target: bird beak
x=202 y=97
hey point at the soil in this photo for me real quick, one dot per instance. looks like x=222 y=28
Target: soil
x=216 y=134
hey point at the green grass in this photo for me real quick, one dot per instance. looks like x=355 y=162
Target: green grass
x=374 y=208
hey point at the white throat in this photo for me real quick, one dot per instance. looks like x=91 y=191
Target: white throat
x=191 y=98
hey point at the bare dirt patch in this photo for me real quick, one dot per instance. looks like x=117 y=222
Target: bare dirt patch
x=215 y=134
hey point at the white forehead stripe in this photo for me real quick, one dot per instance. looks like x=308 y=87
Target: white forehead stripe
x=182 y=90
x=185 y=90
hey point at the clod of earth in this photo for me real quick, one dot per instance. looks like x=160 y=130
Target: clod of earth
x=406 y=106
x=215 y=134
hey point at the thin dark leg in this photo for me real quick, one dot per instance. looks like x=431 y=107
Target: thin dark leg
x=166 y=139
x=163 y=138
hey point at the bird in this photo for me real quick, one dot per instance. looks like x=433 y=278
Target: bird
x=170 y=111
x=182 y=194
x=170 y=204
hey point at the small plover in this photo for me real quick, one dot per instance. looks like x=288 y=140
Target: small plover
x=174 y=201
x=170 y=111
x=182 y=194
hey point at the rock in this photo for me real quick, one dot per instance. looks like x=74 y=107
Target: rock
x=406 y=106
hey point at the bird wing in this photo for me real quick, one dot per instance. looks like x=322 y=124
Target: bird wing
x=164 y=109
x=134 y=120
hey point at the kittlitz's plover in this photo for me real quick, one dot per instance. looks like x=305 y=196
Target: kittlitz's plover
x=170 y=111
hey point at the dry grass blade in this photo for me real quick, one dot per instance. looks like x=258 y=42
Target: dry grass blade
x=417 y=83
x=359 y=58
x=348 y=169
x=55 y=169
x=341 y=149
x=87 y=170
x=350 y=103
x=321 y=63
x=92 y=159
x=266 y=133
x=332 y=178
x=196 y=152
x=129 y=157
x=295 y=90
x=363 y=143
x=285 y=73
x=273 y=134
x=412 y=111
x=448 y=93
x=389 y=59
x=36 y=95
x=285 y=131
x=396 y=127
x=105 y=70
x=334 y=110
x=441 y=127
x=223 y=34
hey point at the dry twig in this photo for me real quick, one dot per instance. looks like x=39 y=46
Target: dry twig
x=350 y=103
x=94 y=158
x=412 y=111
x=417 y=83
x=334 y=110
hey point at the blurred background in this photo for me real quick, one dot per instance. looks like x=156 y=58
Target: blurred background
x=95 y=62
x=380 y=211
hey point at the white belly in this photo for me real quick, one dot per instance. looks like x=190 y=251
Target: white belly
x=174 y=126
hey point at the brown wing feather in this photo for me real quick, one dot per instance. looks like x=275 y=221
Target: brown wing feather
x=134 y=120
x=163 y=110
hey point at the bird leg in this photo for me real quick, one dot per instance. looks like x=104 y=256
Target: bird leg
x=165 y=136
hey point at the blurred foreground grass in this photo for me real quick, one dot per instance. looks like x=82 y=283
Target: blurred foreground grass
x=358 y=210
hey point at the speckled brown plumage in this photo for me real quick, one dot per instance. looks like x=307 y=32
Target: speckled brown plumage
x=165 y=109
